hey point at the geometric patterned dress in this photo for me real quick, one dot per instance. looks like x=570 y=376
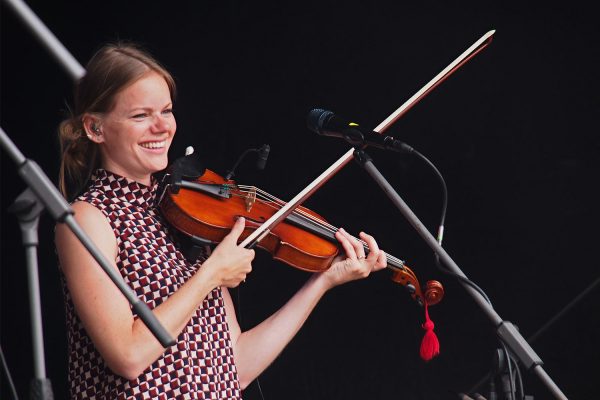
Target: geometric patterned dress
x=200 y=365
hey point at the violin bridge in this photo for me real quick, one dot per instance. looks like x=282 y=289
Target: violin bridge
x=250 y=199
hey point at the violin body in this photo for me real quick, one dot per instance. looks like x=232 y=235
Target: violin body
x=211 y=218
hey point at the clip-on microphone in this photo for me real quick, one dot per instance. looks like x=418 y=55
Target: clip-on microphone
x=263 y=154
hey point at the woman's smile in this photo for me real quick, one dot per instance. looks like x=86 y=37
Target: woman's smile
x=154 y=146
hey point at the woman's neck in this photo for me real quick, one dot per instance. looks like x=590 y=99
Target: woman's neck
x=144 y=179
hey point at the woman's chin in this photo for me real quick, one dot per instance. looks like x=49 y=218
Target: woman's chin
x=156 y=164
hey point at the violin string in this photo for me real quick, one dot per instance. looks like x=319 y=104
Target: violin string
x=324 y=224
x=312 y=219
x=304 y=215
x=297 y=212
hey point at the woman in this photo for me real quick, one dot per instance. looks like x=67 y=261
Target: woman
x=119 y=136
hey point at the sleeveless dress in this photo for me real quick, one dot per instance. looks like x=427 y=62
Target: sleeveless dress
x=200 y=365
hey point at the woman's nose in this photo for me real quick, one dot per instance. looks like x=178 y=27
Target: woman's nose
x=162 y=123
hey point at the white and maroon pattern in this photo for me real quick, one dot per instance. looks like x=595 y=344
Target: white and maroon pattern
x=200 y=365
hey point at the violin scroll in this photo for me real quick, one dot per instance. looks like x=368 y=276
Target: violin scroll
x=434 y=291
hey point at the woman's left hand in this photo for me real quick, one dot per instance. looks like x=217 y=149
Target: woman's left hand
x=354 y=265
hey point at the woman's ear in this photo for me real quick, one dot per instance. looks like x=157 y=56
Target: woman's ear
x=93 y=128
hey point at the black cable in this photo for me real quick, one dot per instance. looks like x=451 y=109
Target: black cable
x=231 y=172
x=444 y=189
x=441 y=229
x=13 y=390
x=521 y=388
x=510 y=375
x=564 y=310
x=239 y=317
x=259 y=389
x=462 y=278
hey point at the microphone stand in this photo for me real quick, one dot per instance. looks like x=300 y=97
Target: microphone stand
x=505 y=330
x=46 y=38
x=46 y=193
x=27 y=208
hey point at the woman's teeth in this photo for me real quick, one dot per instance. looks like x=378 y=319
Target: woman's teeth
x=153 y=145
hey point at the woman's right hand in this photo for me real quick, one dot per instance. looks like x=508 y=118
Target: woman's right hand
x=229 y=263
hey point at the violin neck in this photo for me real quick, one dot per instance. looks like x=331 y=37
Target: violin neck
x=328 y=232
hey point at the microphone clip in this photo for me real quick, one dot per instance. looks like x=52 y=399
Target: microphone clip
x=263 y=154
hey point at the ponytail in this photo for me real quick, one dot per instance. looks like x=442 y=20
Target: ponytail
x=79 y=157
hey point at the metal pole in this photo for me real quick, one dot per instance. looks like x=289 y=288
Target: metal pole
x=47 y=38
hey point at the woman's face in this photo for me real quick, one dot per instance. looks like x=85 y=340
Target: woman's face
x=137 y=132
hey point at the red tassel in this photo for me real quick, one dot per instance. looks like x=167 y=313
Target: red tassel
x=430 y=346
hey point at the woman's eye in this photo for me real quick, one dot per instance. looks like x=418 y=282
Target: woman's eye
x=168 y=111
x=139 y=116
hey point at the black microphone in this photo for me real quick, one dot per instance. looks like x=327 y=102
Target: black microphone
x=326 y=123
x=263 y=153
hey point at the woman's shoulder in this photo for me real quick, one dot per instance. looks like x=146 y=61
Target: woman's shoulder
x=85 y=208
x=95 y=226
x=86 y=214
x=95 y=198
x=92 y=195
x=90 y=219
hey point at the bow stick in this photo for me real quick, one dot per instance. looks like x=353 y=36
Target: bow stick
x=256 y=236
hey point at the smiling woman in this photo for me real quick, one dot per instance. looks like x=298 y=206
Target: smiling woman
x=113 y=69
x=136 y=133
x=119 y=136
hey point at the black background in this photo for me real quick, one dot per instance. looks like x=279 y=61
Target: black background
x=514 y=132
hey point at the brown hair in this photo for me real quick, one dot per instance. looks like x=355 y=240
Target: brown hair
x=110 y=70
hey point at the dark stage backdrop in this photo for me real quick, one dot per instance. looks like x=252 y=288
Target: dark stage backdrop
x=514 y=132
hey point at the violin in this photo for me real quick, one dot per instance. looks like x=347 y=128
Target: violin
x=206 y=207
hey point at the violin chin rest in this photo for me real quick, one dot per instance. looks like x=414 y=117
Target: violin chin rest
x=188 y=167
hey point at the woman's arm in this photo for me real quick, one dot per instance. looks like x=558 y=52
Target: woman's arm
x=256 y=348
x=124 y=341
